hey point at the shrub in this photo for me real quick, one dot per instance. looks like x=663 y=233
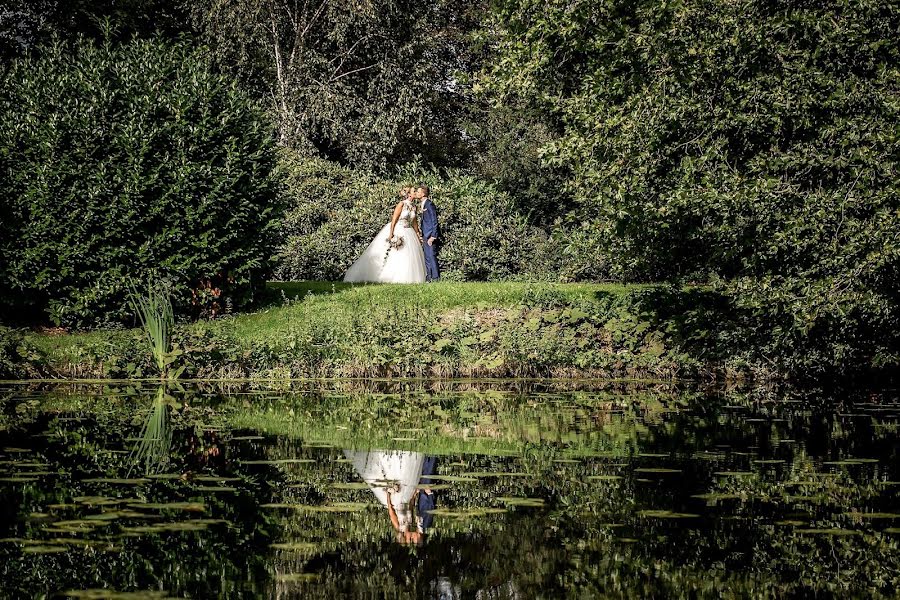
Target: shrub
x=9 y=355
x=19 y=358
x=335 y=212
x=750 y=141
x=132 y=161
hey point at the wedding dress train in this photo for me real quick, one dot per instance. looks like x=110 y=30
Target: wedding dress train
x=397 y=471
x=382 y=264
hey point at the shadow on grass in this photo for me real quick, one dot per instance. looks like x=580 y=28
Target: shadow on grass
x=278 y=291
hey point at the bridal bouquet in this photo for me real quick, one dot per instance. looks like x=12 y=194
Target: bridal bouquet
x=394 y=243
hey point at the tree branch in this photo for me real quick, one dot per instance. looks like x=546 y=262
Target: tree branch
x=345 y=55
x=354 y=71
x=314 y=18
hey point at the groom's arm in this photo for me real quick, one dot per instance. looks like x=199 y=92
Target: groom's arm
x=433 y=222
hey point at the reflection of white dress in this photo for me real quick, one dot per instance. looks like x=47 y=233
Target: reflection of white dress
x=389 y=470
x=403 y=265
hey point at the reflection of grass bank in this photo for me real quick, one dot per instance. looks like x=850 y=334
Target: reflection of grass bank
x=649 y=483
x=474 y=426
x=542 y=425
x=437 y=330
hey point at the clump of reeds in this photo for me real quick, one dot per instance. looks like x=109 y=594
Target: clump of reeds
x=157 y=317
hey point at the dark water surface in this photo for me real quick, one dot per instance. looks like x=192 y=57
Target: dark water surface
x=495 y=491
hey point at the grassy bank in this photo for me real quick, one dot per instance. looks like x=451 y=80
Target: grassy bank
x=321 y=329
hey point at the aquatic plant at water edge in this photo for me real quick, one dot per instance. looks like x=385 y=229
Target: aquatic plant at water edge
x=154 y=311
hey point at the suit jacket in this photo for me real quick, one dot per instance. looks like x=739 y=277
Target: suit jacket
x=429 y=219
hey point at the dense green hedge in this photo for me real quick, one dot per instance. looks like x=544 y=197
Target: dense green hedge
x=750 y=141
x=129 y=161
x=334 y=213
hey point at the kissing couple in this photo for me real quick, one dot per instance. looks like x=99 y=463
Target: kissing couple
x=404 y=249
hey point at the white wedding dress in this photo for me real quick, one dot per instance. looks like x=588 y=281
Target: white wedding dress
x=399 y=265
x=395 y=470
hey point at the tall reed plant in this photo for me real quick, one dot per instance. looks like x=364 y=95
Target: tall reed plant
x=154 y=311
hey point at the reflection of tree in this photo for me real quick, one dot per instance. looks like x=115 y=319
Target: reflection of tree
x=151 y=452
x=742 y=543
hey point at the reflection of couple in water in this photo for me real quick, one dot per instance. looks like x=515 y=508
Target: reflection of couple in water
x=400 y=480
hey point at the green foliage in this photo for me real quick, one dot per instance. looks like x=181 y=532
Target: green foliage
x=439 y=330
x=19 y=359
x=10 y=340
x=157 y=318
x=751 y=141
x=462 y=329
x=25 y=24
x=507 y=151
x=335 y=212
x=820 y=327
x=363 y=83
x=129 y=161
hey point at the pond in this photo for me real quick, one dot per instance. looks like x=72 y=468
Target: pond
x=447 y=490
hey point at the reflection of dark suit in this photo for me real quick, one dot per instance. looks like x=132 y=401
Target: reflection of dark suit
x=430 y=230
x=426 y=501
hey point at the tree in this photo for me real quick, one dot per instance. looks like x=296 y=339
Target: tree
x=26 y=24
x=366 y=83
x=754 y=141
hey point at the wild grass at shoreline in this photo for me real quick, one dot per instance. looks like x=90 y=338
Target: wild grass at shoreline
x=440 y=330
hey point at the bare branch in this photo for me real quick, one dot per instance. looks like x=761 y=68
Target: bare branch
x=291 y=15
x=315 y=17
x=355 y=71
x=300 y=34
x=279 y=69
x=345 y=55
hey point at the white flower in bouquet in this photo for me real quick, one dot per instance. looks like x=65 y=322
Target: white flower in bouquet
x=395 y=242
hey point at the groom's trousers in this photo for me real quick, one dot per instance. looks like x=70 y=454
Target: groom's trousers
x=432 y=273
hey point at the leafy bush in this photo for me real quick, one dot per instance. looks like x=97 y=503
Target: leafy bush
x=19 y=359
x=132 y=161
x=9 y=356
x=335 y=212
x=750 y=141
x=507 y=150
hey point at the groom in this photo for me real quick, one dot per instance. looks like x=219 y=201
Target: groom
x=429 y=233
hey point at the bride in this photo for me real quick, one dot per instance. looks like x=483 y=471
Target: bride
x=395 y=255
x=401 y=480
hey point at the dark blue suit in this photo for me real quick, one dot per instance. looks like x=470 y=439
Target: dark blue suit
x=430 y=230
x=426 y=502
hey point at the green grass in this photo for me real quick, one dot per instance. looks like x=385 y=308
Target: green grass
x=446 y=294
x=318 y=301
x=447 y=329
